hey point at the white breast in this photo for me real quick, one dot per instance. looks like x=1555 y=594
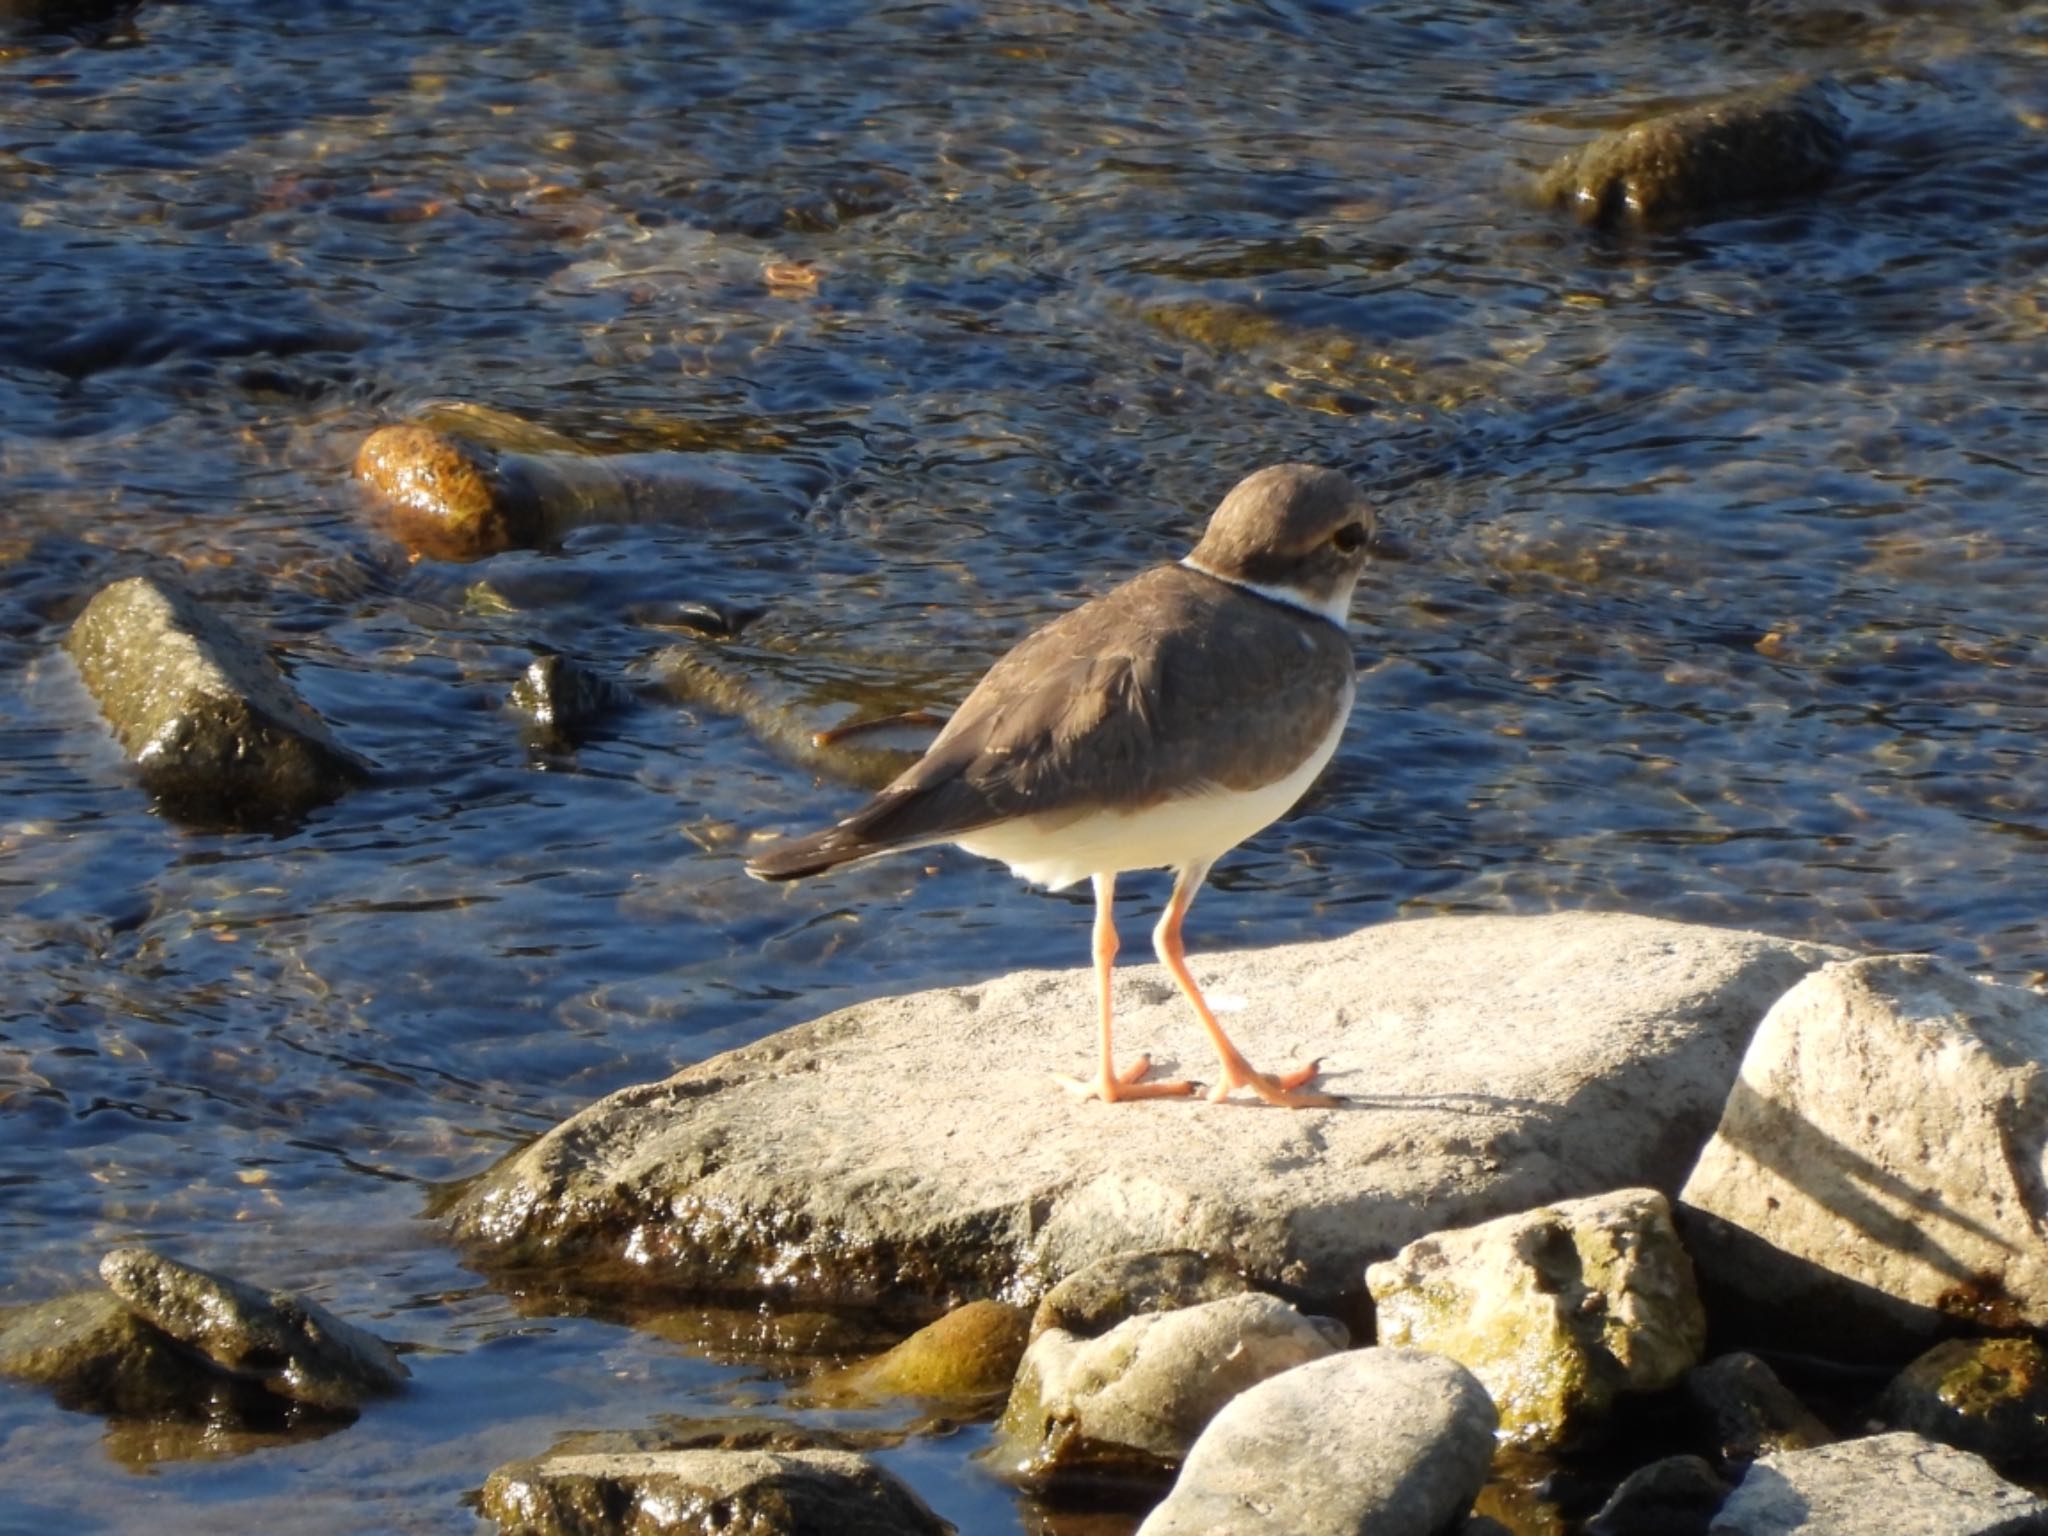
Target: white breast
x=1199 y=828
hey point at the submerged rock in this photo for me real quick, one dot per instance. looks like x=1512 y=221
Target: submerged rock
x=449 y=497
x=210 y=723
x=1878 y=1165
x=1746 y=1412
x=1497 y=1063
x=705 y=1493
x=1556 y=1311
x=1136 y=1397
x=1901 y=1485
x=290 y=1346
x=1094 y=1300
x=1984 y=1395
x=1391 y=1441
x=1697 y=161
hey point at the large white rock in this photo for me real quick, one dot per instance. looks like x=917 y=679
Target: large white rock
x=1372 y=1442
x=1883 y=1159
x=1882 y=1485
x=1143 y=1391
x=1489 y=1064
x=1556 y=1310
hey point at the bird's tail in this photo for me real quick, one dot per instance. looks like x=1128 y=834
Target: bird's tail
x=820 y=851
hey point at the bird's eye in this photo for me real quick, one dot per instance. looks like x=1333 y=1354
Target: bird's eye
x=1350 y=537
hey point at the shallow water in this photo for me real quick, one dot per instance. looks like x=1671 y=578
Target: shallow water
x=1719 y=597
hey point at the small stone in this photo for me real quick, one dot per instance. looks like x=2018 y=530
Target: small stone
x=971 y=1352
x=1394 y=1442
x=1555 y=1310
x=1695 y=162
x=1677 y=1496
x=1883 y=1485
x=1984 y=1395
x=1747 y=1412
x=563 y=700
x=1135 y=1398
x=209 y=721
x=1091 y=1301
x=705 y=1493
x=1869 y=1175
x=291 y=1346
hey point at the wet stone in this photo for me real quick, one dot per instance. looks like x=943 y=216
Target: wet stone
x=970 y=1353
x=1677 y=1496
x=291 y=1346
x=1746 y=1412
x=1698 y=161
x=1094 y=1300
x=1984 y=1395
x=562 y=700
x=96 y=1356
x=705 y=1493
x=209 y=721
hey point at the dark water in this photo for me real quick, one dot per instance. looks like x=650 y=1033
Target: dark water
x=1721 y=598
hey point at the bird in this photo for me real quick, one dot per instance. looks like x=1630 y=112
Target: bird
x=1154 y=727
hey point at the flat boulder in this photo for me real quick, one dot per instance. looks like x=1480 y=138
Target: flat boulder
x=1371 y=1442
x=705 y=1493
x=1879 y=1163
x=915 y=1143
x=1899 y=1484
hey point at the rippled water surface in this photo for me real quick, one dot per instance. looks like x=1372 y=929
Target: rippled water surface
x=1718 y=595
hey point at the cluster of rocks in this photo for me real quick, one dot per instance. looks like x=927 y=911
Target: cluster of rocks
x=166 y=1340
x=1571 y=1144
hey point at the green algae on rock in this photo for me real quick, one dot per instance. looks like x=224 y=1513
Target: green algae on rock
x=968 y=1355
x=1984 y=1395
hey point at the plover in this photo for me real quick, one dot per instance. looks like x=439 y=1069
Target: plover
x=1155 y=727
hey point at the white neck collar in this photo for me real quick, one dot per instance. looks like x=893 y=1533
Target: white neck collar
x=1336 y=609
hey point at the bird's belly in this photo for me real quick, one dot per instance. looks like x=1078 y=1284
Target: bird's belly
x=1056 y=852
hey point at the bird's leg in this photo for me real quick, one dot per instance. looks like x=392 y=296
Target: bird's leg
x=1111 y=1085
x=1282 y=1088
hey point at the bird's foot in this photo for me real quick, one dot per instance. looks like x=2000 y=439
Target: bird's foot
x=1281 y=1088
x=1115 y=1087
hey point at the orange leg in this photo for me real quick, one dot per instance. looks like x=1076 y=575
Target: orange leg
x=1282 y=1088
x=1111 y=1085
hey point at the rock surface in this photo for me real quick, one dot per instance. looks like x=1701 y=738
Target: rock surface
x=1880 y=1162
x=1136 y=1397
x=290 y=1346
x=1984 y=1395
x=1492 y=1063
x=1693 y=162
x=1555 y=1310
x=1391 y=1442
x=204 y=714
x=1094 y=1300
x=705 y=1493
x=562 y=700
x=1746 y=1412
x=1899 y=1485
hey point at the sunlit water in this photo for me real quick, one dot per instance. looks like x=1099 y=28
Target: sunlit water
x=1720 y=597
